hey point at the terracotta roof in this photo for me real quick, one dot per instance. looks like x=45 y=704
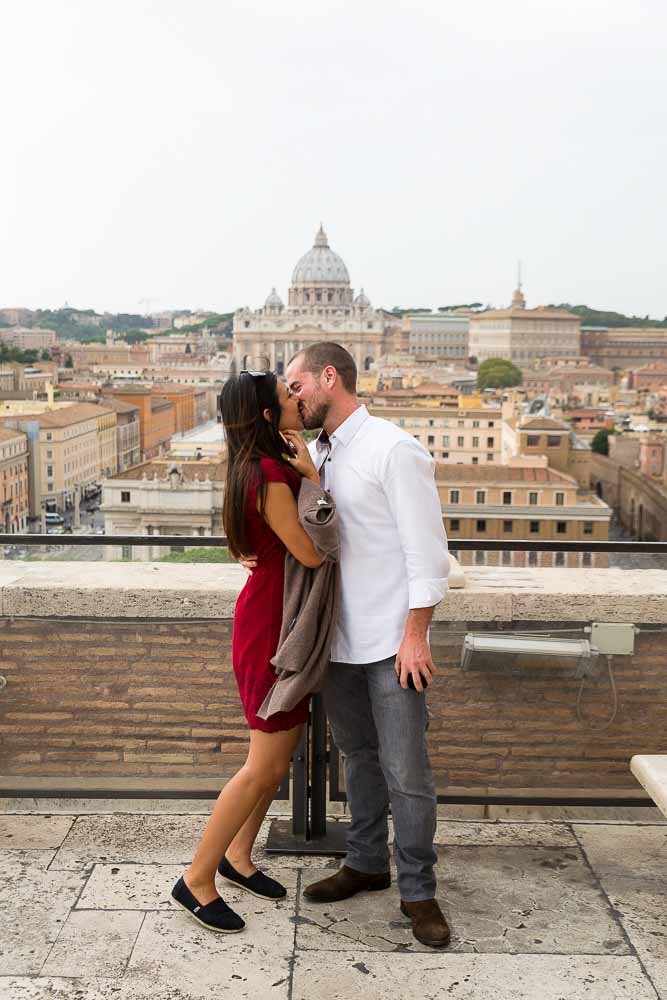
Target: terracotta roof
x=544 y=423
x=74 y=414
x=446 y=473
x=8 y=433
x=119 y=405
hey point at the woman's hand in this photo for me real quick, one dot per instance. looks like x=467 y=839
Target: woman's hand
x=300 y=459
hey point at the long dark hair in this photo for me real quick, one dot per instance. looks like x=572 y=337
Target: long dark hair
x=249 y=437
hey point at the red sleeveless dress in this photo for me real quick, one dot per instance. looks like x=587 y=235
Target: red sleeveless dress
x=259 y=611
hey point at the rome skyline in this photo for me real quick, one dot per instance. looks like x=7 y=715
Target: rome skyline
x=185 y=159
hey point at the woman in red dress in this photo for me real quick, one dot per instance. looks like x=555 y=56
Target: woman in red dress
x=262 y=423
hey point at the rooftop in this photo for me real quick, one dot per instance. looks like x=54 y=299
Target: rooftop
x=496 y=472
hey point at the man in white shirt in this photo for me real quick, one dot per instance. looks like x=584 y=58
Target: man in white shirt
x=394 y=567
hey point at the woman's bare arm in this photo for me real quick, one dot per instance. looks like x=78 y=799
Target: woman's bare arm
x=281 y=515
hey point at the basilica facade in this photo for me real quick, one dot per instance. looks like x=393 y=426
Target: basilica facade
x=321 y=305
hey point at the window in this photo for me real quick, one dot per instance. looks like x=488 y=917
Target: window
x=534 y=527
x=454 y=496
x=127 y=551
x=445 y=454
x=480 y=525
x=124 y=496
x=560 y=499
x=48 y=435
x=431 y=423
x=490 y=442
x=489 y=456
x=431 y=439
x=460 y=423
x=533 y=440
x=559 y=558
x=585 y=559
x=506 y=558
x=480 y=558
x=480 y=496
x=553 y=440
x=49 y=471
x=532 y=499
x=475 y=423
x=459 y=441
x=588 y=527
x=507 y=527
x=507 y=496
x=491 y=423
x=455 y=524
x=532 y=558
x=475 y=460
x=445 y=441
x=475 y=442
x=561 y=527
x=49 y=454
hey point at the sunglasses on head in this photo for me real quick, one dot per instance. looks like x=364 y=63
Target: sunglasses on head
x=255 y=366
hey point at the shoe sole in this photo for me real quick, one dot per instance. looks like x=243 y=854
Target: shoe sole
x=209 y=927
x=258 y=895
x=340 y=899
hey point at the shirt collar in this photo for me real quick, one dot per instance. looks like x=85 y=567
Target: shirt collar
x=345 y=431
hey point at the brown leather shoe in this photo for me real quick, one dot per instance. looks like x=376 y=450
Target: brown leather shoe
x=428 y=922
x=345 y=883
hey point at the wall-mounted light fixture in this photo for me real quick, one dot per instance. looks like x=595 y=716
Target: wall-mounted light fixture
x=526 y=654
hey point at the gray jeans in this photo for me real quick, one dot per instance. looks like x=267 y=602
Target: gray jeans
x=380 y=729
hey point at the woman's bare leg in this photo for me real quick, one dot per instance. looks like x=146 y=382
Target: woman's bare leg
x=267 y=763
x=239 y=852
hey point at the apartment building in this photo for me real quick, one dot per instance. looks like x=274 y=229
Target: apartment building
x=26 y=338
x=14 y=480
x=438 y=335
x=183 y=398
x=467 y=434
x=624 y=347
x=128 y=437
x=515 y=503
x=77 y=446
x=157 y=417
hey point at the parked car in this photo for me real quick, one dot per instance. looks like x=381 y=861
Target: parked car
x=53 y=517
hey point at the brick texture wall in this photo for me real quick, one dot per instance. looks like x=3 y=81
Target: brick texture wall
x=156 y=701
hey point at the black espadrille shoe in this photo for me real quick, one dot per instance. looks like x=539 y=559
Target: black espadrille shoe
x=215 y=916
x=258 y=884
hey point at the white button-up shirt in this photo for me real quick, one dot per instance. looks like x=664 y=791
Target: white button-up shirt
x=393 y=547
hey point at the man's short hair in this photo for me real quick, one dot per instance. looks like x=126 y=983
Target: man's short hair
x=316 y=357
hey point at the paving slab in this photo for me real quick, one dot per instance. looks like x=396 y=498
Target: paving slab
x=33 y=832
x=495 y=833
x=172 y=950
x=141 y=839
x=627 y=852
x=148 y=887
x=580 y=814
x=497 y=900
x=94 y=943
x=34 y=905
x=469 y=977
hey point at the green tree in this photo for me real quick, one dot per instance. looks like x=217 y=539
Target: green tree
x=496 y=373
x=45 y=356
x=600 y=442
x=69 y=362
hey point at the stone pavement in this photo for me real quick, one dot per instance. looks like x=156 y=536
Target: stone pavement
x=541 y=909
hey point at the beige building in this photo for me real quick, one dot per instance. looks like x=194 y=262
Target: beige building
x=522 y=335
x=321 y=306
x=438 y=335
x=515 y=503
x=77 y=444
x=128 y=437
x=14 y=481
x=624 y=347
x=469 y=435
x=26 y=338
x=163 y=497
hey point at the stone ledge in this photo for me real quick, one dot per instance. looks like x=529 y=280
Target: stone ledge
x=159 y=590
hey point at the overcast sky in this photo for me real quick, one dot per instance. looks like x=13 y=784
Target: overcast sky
x=185 y=152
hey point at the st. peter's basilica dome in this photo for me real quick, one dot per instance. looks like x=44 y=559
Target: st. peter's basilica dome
x=321 y=265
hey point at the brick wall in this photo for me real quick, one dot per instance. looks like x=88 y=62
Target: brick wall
x=159 y=701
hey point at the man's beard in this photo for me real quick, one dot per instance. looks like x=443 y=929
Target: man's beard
x=314 y=414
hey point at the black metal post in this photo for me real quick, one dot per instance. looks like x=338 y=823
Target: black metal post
x=309 y=832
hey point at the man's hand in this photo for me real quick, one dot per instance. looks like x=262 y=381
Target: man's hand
x=414 y=655
x=249 y=563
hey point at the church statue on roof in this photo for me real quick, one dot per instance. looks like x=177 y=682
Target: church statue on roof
x=321 y=305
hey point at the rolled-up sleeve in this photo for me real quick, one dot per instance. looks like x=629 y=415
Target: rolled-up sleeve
x=409 y=483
